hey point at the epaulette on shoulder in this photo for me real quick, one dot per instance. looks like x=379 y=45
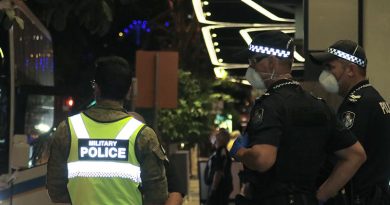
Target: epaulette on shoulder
x=354 y=98
x=262 y=97
x=317 y=98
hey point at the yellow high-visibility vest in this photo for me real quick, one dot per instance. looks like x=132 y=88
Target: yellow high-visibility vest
x=102 y=165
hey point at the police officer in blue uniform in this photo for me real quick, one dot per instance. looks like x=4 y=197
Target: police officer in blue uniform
x=365 y=113
x=290 y=132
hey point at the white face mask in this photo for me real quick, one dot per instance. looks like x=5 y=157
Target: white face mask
x=256 y=80
x=329 y=81
x=213 y=138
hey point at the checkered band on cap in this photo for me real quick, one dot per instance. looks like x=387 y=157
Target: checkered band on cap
x=347 y=56
x=269 y=51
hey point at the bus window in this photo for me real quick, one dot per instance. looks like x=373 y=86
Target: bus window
x=39 y=119
x=34 y=59
x=39 y=114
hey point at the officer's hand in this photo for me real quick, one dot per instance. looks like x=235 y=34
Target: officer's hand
x=240 y=142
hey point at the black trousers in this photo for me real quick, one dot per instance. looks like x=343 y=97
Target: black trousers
x=358 y=201
x=378 y=196
x=218 y=197
x=291 y=199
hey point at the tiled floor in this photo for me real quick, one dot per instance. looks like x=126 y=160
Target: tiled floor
x=193 y=196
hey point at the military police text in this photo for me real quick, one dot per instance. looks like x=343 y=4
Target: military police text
x=103 y=149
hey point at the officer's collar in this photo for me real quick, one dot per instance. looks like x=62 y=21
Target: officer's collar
x=109 y=105
x=358 y=86
x=352 y=94
x=282 y=83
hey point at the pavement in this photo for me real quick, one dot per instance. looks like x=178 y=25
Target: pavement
x=193 y=197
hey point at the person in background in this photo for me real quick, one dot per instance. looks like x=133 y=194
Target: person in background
x=290 y=132
x=103 y=155
x=233 y=137
x=221 y=178
x=366 y=114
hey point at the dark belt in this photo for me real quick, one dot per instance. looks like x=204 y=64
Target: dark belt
x=377 y=196
x=302 y=199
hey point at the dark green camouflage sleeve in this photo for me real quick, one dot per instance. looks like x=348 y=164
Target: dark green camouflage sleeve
x=151 y=158
x=57 y=175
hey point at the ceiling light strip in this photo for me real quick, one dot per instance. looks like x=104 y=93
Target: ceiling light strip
x=197 y=4
x=265 y=12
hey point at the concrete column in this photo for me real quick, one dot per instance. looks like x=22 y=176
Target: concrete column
x=376 y=41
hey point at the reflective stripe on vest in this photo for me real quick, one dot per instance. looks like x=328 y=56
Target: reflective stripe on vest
x=82 y=133
x=104 y=169
x=79 y=127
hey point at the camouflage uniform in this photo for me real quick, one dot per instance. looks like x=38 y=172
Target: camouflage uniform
x=148 y=152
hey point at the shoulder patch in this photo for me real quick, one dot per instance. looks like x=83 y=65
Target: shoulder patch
x=257 y=117
x=348 y=119
x=385 y=107
x=160 y=153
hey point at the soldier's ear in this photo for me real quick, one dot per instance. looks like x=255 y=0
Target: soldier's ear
x=96 y=91
x=352 y=69
x=272 y=61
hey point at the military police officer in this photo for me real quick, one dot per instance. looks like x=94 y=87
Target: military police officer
x=365 y=113
x=104 y=155
x=290 y=131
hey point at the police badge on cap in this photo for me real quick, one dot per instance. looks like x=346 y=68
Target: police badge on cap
x=348 y=119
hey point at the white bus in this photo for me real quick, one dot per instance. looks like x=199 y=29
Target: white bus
x=28 y=109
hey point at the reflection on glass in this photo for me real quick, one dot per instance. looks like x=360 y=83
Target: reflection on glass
x=34 y=60
x=39 y=120
x=39 y=114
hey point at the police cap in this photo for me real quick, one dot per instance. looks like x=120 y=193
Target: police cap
x=345 y=49
x=273 y=42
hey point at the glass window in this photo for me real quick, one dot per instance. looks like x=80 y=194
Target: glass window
x=39 y=119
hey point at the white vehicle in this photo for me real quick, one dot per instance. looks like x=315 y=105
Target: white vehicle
x=28 y=108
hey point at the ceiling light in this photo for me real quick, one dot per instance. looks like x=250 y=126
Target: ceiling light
x=298 y=57
x=220 y=72
x=200 y=15
x=1 y=53
x=265 y=12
